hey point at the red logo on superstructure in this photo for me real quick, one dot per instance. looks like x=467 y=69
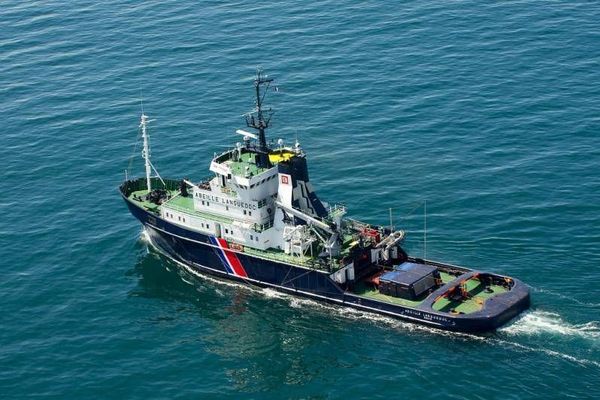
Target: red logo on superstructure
x=285 y=180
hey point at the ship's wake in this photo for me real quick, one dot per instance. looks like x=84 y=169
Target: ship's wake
x=565 y=297
x=353 y=314
x=544 y=350
x=536 y=325
x=538 y=322
x=530 y=325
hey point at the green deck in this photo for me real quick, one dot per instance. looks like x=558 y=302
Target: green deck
x=474 y=303
x=186 y=205
x=477 y=294
x=371 y=292
x=246 y=160
x=178 y=203
x=147 y=204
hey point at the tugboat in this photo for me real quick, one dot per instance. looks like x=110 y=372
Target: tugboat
x=258 y=221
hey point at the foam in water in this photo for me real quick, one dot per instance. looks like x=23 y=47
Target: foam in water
x=531 y=323
x=186 y=281
x=354 y=314
x=553 y=353
x=537 y=323
x=145 y=237
x=272 y=294
x=542 y=322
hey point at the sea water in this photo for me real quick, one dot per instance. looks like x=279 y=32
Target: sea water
x=486 y=111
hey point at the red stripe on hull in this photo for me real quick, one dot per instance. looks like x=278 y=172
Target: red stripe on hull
x=234 y=261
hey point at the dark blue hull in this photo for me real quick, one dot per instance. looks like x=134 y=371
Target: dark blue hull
x=200 y=254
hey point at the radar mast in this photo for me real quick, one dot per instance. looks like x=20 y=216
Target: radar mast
x=260 y=118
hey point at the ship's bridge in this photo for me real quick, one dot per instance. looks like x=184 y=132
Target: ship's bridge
x=242 y=187
x=239 y=170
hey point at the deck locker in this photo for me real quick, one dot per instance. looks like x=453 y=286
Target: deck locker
x=408 y=280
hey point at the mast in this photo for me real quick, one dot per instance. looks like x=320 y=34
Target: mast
x=146 y=150
x=260 y=119
x=425 y=230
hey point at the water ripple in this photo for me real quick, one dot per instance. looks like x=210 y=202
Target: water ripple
x=489 y=112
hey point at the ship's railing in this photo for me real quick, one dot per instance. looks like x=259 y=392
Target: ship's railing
x=357 y=225
x=204 y=183
x=337 y=209
x=310 y=262
x=228 y=191
x=134 y=185
x=262 y=227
